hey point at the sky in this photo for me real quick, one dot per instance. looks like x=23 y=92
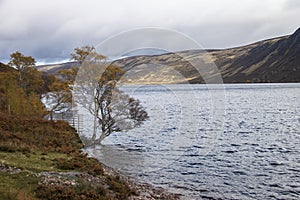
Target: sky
x=49 y=30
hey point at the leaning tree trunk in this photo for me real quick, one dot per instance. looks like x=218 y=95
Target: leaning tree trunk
x=96 y=111
x=101 y=138
x=94 y=128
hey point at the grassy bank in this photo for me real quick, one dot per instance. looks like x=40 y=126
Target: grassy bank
x=42 y=160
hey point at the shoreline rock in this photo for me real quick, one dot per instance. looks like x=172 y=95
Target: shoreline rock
x=145 y=191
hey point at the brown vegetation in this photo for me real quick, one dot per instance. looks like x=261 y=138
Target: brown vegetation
x=38 y=138
x=42 y=159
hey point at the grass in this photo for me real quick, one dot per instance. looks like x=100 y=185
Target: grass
x=36 y=162
x=17 y=186
x=36 y=145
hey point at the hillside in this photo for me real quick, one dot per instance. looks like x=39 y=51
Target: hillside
x=43 y=159
x=5 y=68
x=272 y=60
x=54 y=68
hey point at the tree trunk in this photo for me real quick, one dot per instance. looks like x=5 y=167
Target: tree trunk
x=101 y=138
x=94 y=128
x=95 y=123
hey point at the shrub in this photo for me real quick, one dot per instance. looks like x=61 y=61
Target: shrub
x=81 y=163
x=31 y=134
x=82 y=191
x=120 y=187
x=55 y=192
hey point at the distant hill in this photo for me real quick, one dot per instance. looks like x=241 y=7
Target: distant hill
x=54 y=68
x=272 y=60
x=5 y=68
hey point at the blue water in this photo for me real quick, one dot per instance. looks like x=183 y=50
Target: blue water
x=237 y=141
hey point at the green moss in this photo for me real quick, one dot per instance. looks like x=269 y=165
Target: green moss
x=17 y=186
x=37 y=162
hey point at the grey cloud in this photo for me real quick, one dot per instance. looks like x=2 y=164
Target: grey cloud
x=292 y=4
x=49 y=30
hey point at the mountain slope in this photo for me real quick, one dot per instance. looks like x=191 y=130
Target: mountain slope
x=54 y=68
x=276 y=60
x=272 y=60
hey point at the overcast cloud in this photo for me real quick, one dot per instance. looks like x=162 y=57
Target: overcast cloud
x=49 y=30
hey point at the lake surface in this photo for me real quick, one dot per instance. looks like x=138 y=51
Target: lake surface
x=237 y=141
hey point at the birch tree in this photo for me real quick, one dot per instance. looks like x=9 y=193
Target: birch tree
x=95 y=89
x=92 y=65
x=22 y=64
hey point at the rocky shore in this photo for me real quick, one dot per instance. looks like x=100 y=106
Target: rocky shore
x=144 y=191
x=41 y=159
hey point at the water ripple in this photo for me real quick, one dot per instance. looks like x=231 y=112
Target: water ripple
x=255 y=157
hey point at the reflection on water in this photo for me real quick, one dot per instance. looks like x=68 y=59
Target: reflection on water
x=117 y=158
x=255 y=155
